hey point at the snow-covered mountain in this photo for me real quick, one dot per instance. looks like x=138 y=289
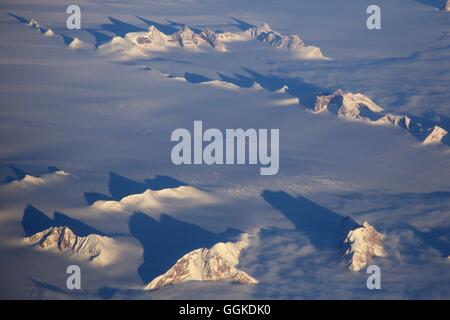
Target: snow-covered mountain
x=217 y=263
x=432 y=135
x=137 y=43
x=265 y=34
x=29 y=180
x=77 y=44
x=183 y=196
x=49 y=33
x=155 y=40
x=96 y=248
x=33 y=24
x=211 y=37
x=153 y=37
x=360 y=107
x=435 y=135
x=361 y=245
x=186 y=38
x=347 y=105
x=402 y=121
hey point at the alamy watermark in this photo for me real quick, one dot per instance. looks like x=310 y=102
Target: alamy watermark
x=234 y=146
x=74 y=20
x=373 y=22
x=74 y=280
x=374 y=280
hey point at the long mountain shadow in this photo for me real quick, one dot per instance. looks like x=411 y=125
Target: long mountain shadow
x=34 y=221
x=160 y=182
x=306 y=92
x=239 y=80
x=99 y=37
x=78 y=227
x=324 y=227
x=168 y=29
x=53 y=169
x=20 y=173
x=195 y=78
x=241 y=24
x=92 y=197
x=66 y=39
x=120 y=28
x=19 y=18
x=120 y=187
x=434 y=3
x=166 y=240
x=181 y=25
x=157 y=59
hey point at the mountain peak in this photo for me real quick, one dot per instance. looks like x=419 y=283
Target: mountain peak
x=76 y=44
x=256 y=31
x=49 y=33
x=62 y=238
x=210 y=36
x=186 y=32
x=153 y=36
x=186 y=37
x=265 y=26
x=217 y=263
x=361 y=244
x=435 y=135
x=33 y=24
x=347 y=104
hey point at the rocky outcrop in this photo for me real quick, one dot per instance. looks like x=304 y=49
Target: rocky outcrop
x=435 y=135
x=265 y=34
x=347 y=104
x=362 y=243
x=93 y=247
x=77 y=44
x=33 y=24
x=186 y=38
x=217 y=263
x=359 y=107
x=211 y=37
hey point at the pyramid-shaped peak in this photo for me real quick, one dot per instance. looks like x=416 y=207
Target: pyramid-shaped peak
x=435 y=134
x=49 y=33
x=77 y=44
x=208 y=30
x=152 y=28
x=265 y=26
x=186 y=29
x=186 y=33
x=33 y=23
x=155 y=32
x=186 y=37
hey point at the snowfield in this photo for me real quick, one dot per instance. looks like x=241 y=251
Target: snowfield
x=85 y=150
